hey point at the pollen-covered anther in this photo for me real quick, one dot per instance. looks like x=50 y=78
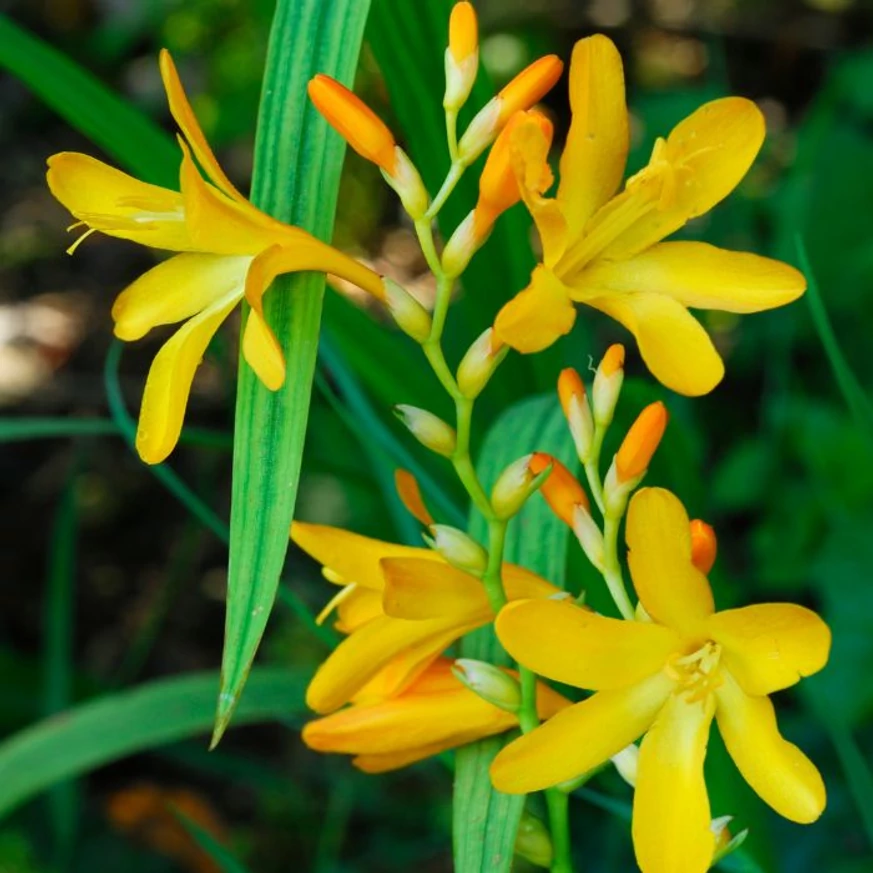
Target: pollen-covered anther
x=698 y=674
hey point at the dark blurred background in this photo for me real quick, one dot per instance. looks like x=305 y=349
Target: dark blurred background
x=109 y=581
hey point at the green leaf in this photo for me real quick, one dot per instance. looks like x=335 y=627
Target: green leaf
x=296 y=178
x=101 y=731
x=108 y=120
x=486 y=821
x=223 y=859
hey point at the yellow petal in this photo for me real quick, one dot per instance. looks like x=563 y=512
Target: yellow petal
x=537 y=316
x=770 y=646
x=169 y=381
x=175 y=290
x=418 y=589
x=566 y=643
x=117 y=204
x=707 y=155
x=181 y=111
x=672 y=342
x=672 y=590
x=357 y=608
x=522 y=584
x=579 y=738
x=353 y=557
x=362 y=655
x=593 y=161
x=530 y=142
x=701 y=276
x=779 y=772
x=262 y=351
x=671 y=817
x=395 y=760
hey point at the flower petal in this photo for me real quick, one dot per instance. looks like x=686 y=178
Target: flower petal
x=770 y=646
x=169 y=381
x=566 y=643
x=709 y=152
x=701 y=276
x=175 y=290
x=395 y=760
x=357 y=608
x=594 y=156
x=181 y=111
x=262 y=351
x=672 y=342
x=353 y=557
x=358 y=658
x=781 y=775
x=579 y=738
x=538 y=315
x=671 y=817
x=117 y=204
x=418 y=590
x=672 y=590
x=522 y=584
x=409 y=492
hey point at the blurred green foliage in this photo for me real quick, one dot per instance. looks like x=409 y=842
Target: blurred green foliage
x=774 y=458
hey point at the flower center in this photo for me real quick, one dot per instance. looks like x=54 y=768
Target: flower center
x=698 y=674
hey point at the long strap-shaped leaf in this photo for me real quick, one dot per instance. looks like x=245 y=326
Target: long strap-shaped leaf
x=485 y=821
x=296 y=177
x=101 y=731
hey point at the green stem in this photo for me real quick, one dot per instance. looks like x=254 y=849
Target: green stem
x=452 y=134
x=559 y=824
x=592 y=469
x=454 y=176
x=612 y=567
x=493 y=576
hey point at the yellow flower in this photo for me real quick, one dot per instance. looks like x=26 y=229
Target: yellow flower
x=229 y=250
x=604 y=248
x=666 y=678
x=434 y=713
x=400 y=606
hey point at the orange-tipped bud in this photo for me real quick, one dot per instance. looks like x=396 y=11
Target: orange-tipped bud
x=607 y=385
x=479 y=363
x=354 y=121
x=638 y=447
x=513 y=487
x=462 y=56
x=589 y=535
x=463 y=31
x=562 y=491
x=704 y=545
x=526 y=89
x=574 y=402
x=409 y=493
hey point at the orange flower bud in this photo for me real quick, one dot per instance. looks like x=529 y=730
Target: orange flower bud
x=529 y=86
x=704 y=545
x=522 y=92
x=562 y=491
x=574 y=402
x=463 y=32
x=642 y=440
x=354 y=121
x=607 y=384
x=409 y=493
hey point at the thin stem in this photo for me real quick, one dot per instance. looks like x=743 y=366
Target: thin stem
x=558 y=804
x=592 y=469
x=493 y=578
x=452 y=179
x=452 y=133
x=612 y=567
x=424 y=232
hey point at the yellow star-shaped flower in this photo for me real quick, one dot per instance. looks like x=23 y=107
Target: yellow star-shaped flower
x=666 y=677
x=229 y=250
x=605 y=249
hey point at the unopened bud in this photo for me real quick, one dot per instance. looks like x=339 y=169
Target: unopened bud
x=462 y=56
x=704 y=545
x=724 y=843
x=479 y=363
x=513 y=487
x=643 y=438
x=607 y=385
x=532 y=841
x=574 y=402
x=411 y=317
x=526 y=89
x=430 y=431
x=409 y=493
x=589 y=535
x=489 y=682
x=354 y=121
x=468 y=238
x=561 y=489
x=458 y=549
x=627 y=763
x=406 y=181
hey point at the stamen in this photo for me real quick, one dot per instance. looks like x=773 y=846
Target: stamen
x=71 y=250
x=334 y=602
x=697 y=674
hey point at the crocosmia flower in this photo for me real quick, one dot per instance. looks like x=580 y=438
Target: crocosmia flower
x=228 y=250
x=605 y=249
x=666 y=677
